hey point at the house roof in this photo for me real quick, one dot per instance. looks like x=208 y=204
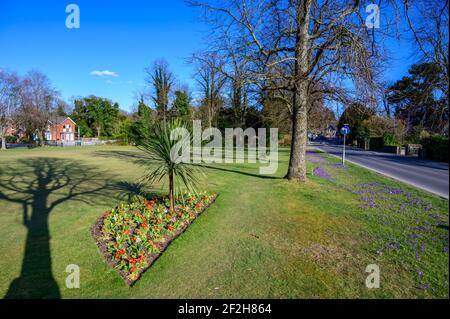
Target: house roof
x=60 y=119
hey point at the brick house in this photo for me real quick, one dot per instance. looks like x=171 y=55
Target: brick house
x=61 y=129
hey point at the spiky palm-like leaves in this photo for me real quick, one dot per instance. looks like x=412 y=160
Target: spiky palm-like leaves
x=161 y=163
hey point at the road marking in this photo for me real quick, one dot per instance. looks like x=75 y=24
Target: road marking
x=388 y=175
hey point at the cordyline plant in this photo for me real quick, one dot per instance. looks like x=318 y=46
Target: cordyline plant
x=158 y=145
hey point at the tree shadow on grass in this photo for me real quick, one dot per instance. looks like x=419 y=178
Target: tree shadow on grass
x=142 y=159
x=39 y=186
x=235 y=171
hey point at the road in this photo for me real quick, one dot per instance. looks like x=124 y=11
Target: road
x=428 y=175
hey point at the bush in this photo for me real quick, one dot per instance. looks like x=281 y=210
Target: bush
x=436 y=147
x=11 y=139
x=389 y=140
x=378 y=142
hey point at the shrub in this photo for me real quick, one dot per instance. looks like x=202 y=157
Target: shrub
x=11 y=139
x=378 y=142
x=158 y=146
x=389 y=139
x=436 y=147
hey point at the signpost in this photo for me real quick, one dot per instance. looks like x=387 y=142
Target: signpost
x=344 y=131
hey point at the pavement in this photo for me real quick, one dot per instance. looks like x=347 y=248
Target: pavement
x=427 y=175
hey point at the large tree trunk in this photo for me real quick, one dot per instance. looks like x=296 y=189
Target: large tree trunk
x=297 y=160
x=3 y=137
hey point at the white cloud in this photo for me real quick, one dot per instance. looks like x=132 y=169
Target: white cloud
x=104 y=73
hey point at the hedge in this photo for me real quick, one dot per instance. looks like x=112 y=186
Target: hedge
x=436 y=147
x=378 y=142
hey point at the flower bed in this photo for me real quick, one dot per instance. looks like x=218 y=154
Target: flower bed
x=132 y=236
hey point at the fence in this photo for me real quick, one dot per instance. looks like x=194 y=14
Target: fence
x=82 y=142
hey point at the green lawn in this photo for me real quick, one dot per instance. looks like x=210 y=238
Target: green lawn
x=264 y=237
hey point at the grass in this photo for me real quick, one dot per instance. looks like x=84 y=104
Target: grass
x=262 y=238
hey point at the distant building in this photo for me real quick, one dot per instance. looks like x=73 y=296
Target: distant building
x=61 y=129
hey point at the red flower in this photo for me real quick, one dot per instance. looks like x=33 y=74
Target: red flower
x=132 y=260
x=119 y=253
x=133 y=269
x=141 y=258
x=149 y=204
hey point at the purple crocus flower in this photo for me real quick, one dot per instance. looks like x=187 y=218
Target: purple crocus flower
x=320 y=172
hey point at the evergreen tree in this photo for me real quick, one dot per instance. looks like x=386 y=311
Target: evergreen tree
x=182 y=106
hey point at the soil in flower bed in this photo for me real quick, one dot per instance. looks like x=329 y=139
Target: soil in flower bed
x=132 y=236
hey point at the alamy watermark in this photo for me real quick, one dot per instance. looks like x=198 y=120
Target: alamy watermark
x=373 y=279
x=73 y=279
x=373 y=19
x=192 y=148
x=73 y=19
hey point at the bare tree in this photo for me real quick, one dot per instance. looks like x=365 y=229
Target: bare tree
x=211 y=82
x=428 y=21
x=161 y=78
x=304 y=47
x=9 y=102
x=37 y=100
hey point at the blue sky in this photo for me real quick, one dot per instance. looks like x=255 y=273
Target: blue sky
x=122 y=37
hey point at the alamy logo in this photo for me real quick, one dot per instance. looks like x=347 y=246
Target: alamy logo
x=73 y=279
x=73 y=19
x=373 y=280
x=192 y=149
x=373 y=19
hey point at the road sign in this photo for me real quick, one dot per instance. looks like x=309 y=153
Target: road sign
x=345 y=130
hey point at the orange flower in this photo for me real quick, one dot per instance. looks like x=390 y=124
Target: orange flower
x=119 y=253
x=133 y=269
x=170 y=227
x=149 y=204
x=126 y=232
x=132 y=260
x=141 y=258
x=144 y=225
